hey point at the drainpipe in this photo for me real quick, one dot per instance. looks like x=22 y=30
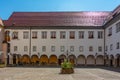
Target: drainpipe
x=104 y=49
x=30 y=43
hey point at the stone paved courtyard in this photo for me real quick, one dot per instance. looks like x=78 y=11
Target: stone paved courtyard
x=14 y=73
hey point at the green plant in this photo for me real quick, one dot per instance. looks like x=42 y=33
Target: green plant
x=66 y=64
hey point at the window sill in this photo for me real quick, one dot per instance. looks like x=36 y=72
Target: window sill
x=109 y=34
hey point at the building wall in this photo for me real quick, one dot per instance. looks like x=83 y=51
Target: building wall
x=20 y=42
x=1 y=39
x=113 y=39
x=1 y=36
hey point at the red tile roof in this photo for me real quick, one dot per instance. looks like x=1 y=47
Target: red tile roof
x=56 y=19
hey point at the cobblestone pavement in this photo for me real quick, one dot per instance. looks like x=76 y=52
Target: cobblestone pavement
x=14 y=73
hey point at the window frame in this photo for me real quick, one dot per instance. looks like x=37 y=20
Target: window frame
x=81 y=34
x=25 y=48
x=91 y=48
x=81 y=48
x=44 y=34
x=25 y=34
x=52 y=48
x=90 y=34
x=15 y=35
x=53 y=34
x=100 y=34
x=34 y=34
x=34 y=48
x=62 y=34
x=72 y=34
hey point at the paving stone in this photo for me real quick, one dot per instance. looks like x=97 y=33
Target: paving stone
x=9 y=73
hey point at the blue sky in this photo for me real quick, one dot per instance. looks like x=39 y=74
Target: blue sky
x=9 y=6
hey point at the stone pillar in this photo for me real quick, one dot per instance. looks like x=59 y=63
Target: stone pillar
x=114 y=63
x=10 y=58
x=4 y=54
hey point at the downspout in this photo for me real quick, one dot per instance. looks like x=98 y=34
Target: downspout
x=30 y=43
x=104 y=48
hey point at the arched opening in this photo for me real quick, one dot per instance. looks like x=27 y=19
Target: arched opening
x=100 y=60
x=90 y=60
x=81 y=60
x=72 y=59
x=25 y=59
x=111 y=60
x=34 y=59
x=61 y=59
x=53 y=59
x=14 y=59
x=44 y=60
x=19 y=57
x=118 y=60
x=8 y=57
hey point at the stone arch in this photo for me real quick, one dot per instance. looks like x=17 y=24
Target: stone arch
x=44 y=59
x=100 y=60
x=34 y=59
x=61 y=59
x=53 y=59
x=25 y=59
x=111 y=60
x=81 y=60
x=72 y=58
x=90 y=60
x=14 y=58
x=62 y=56
x=19 y=58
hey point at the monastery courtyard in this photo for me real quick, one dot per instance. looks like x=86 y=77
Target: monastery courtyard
x=20 y=73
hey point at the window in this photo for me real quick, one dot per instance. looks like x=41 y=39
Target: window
x=118 y=45
x=34 y=48
x=43 y=48
x=100 y=34
x=25 y=35
x=72 y=34
x=71 y=48
x=34 y=34
x=53 y=48
x=15 y=48
x=100 y=49
x=44 y=34
x=15 y=35
x=62 y=34
x=110 y=31
x=91 y=34
x=53 y=34
x=81 y=34
x=7 y=35
x=62 y=48
x=81 y=49
x=106 y=48
x=90 y=48
x=25 y=48
x=118 y=27
x=111 y=47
